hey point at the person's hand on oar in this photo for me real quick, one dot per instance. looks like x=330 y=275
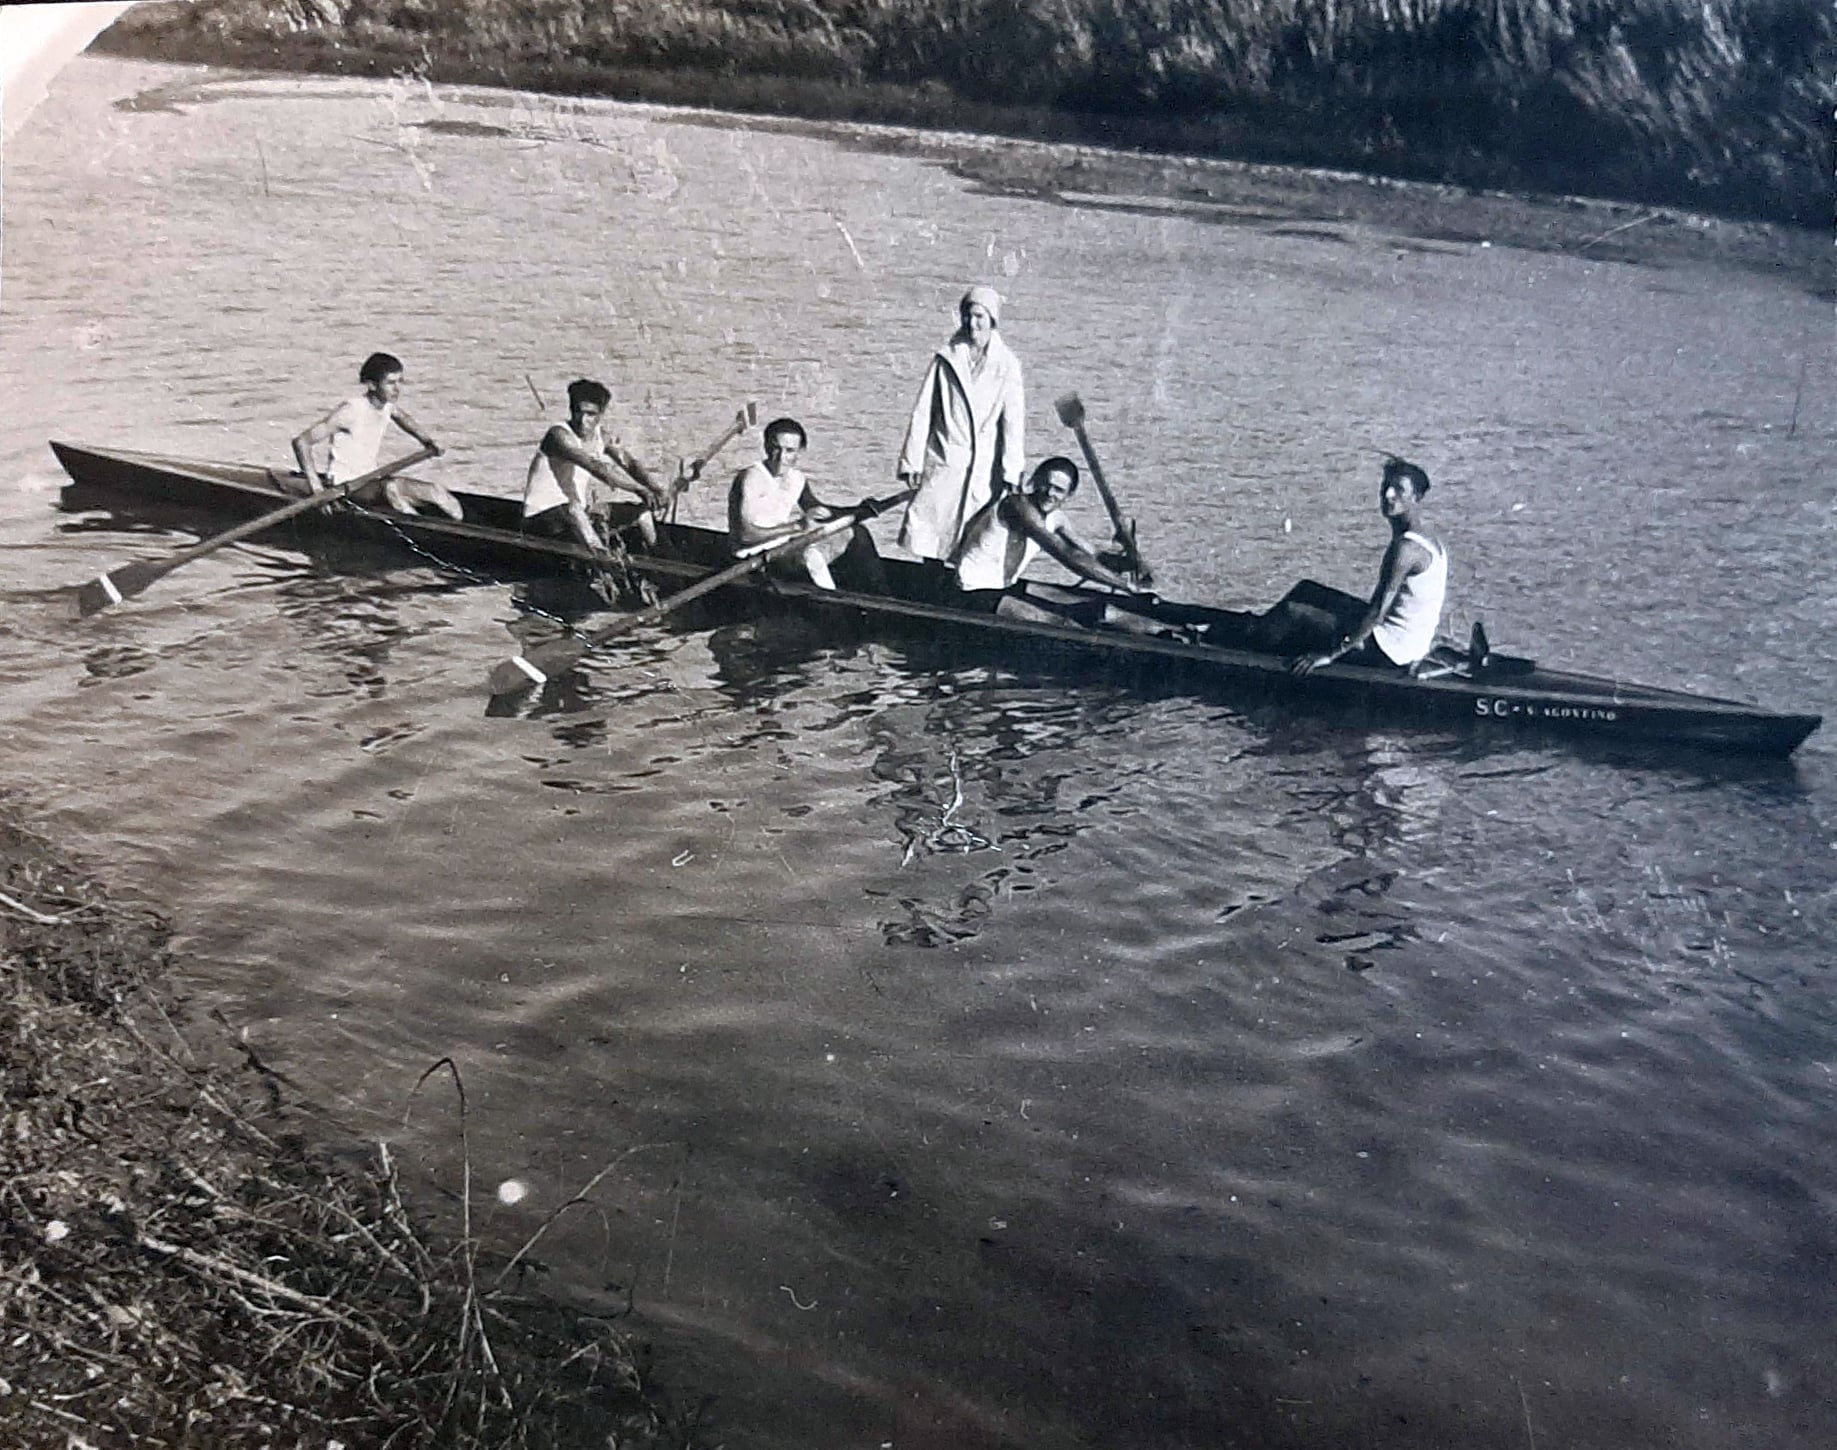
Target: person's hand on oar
x=131 y=579
x=543 y=663
x=688 y=470
x=1071 y=414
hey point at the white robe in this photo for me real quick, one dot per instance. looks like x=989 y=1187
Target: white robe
x=966 y=434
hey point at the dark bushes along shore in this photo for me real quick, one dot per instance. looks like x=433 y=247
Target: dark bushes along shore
x=1718 y=105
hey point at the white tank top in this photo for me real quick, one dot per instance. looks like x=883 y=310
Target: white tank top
x=759 y=501
x=1406 y=634
x=550 y=482
x=357 y=437
x=993 y=555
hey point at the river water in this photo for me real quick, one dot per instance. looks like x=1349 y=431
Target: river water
x=983 y=1060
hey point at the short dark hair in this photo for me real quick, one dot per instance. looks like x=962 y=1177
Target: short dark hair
x=1395 y=467
x=1057 y=464
x=785 y=425
x=586 y=390
x=378 y=366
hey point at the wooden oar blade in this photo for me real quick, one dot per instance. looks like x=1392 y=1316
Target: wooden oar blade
x=538 y=667
x=130 y=579
x=122 y=582
x=1071 y=410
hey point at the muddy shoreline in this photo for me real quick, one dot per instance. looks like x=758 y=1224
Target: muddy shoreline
x=196 y=1255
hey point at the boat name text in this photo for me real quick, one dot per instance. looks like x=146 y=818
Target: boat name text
x=1504 y=709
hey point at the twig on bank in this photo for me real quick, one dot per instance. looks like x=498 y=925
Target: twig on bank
x=1611 y=231
x=26 y=911
x=1798 y=393
x=207 y=1264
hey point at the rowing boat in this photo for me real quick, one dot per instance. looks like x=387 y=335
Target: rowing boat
x=1198 y=648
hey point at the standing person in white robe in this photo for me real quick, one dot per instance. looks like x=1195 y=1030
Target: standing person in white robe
x=967 y=437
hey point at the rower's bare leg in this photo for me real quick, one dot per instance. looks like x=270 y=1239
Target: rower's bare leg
x=817 y=567
x=647 y=529
x=406 y=495
x=819 y=556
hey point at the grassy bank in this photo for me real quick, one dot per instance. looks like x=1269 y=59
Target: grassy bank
x=1721 y=105
x=188 y=1262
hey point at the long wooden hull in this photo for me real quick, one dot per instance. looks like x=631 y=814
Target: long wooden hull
x=489 y=543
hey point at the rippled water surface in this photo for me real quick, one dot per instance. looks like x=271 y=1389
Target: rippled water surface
x=996 y=1060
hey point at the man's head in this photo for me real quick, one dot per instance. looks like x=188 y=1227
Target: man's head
x=1053 y=482
x=587 y=400
x=784 y=440
x=381 y=376
x=1403 y=486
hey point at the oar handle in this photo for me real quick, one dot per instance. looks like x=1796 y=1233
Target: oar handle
x=126 y=580
x=543 y=663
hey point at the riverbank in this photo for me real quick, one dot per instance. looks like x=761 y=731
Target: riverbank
x=1716 y=107
x=194 y=1257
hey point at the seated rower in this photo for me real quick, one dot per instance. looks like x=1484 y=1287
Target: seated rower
x=1010 y=531
x=1396 y=629
x=772 y=500
x=559 y=502
x=354 y=430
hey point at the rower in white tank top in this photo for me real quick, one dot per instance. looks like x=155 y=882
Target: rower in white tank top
x=554 y=480
x=993 y=554
x=1011 y=531
x=1406 y=633
x=1397 y=626
x=558 y=493
x=353 y=435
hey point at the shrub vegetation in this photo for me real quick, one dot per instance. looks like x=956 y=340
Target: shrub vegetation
x=1721 y=105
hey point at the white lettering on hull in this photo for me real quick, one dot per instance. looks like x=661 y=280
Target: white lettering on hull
x=1497 y=709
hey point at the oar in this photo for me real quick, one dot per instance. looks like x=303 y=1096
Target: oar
x=1071 y=414
x=743 y=420
x=546 y=661
x=131 y=579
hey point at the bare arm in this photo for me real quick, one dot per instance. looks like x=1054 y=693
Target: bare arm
x=654 y=494
x=1403 y=558
x=1056 y=538
x=415 y=431
x=319 y=434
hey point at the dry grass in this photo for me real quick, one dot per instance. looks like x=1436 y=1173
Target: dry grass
x=180 y=1266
